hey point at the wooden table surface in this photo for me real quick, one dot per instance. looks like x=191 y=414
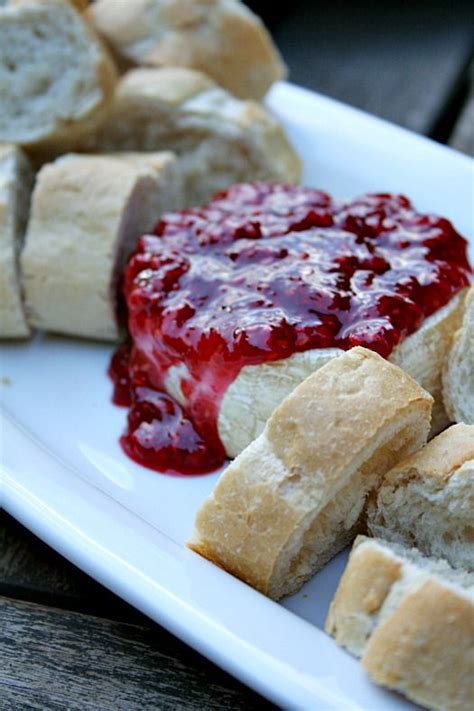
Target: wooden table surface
x=65 y=641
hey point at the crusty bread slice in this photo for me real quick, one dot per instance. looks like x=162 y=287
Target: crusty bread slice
x=220 y=140
x=87 y=212
x=425 y=649
x=55 y=76
x=222 y=38
x=411 y=619
x=427 y=500
x=259 y=389
x=16 y=179
x=296 y=496
x=458 y=375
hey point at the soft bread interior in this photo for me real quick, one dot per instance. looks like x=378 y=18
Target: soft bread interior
x=54 y=74
x=438 y=520
x=427 y=500
x=296 y=495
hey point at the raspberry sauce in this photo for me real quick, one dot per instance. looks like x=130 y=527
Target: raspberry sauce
x=261 y=272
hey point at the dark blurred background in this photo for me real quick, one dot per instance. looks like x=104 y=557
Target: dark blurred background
x=407 y=62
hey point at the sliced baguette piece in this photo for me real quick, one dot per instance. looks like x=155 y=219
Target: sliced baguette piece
x=458 y=374
x=55 y=77
x=296 y=496
x=222 y=38
x=16 y=180
x=378 y=575
x=87 y=212
x=220 y=140
x=411 y=619
x=427 y=500
x=425 y=649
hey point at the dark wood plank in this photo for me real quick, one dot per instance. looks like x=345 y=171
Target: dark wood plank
x=405 y=62
x=53 y=659
x=31 y=570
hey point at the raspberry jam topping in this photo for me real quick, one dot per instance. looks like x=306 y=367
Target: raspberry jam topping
x=262 y=272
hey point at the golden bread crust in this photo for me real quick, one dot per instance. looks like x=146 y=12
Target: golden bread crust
x=436 y=461
x=367 y=580
x=222 y=38
x=220 y=140
x=295 y=496
x=425 y=649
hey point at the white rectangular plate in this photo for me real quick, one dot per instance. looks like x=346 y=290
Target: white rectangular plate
x=65 y=477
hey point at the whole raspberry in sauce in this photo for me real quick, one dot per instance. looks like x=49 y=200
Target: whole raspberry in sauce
x=262 y=272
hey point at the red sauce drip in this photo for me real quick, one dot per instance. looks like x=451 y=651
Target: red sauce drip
x=119 y=372
x=262 y=272
x=162 y=436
